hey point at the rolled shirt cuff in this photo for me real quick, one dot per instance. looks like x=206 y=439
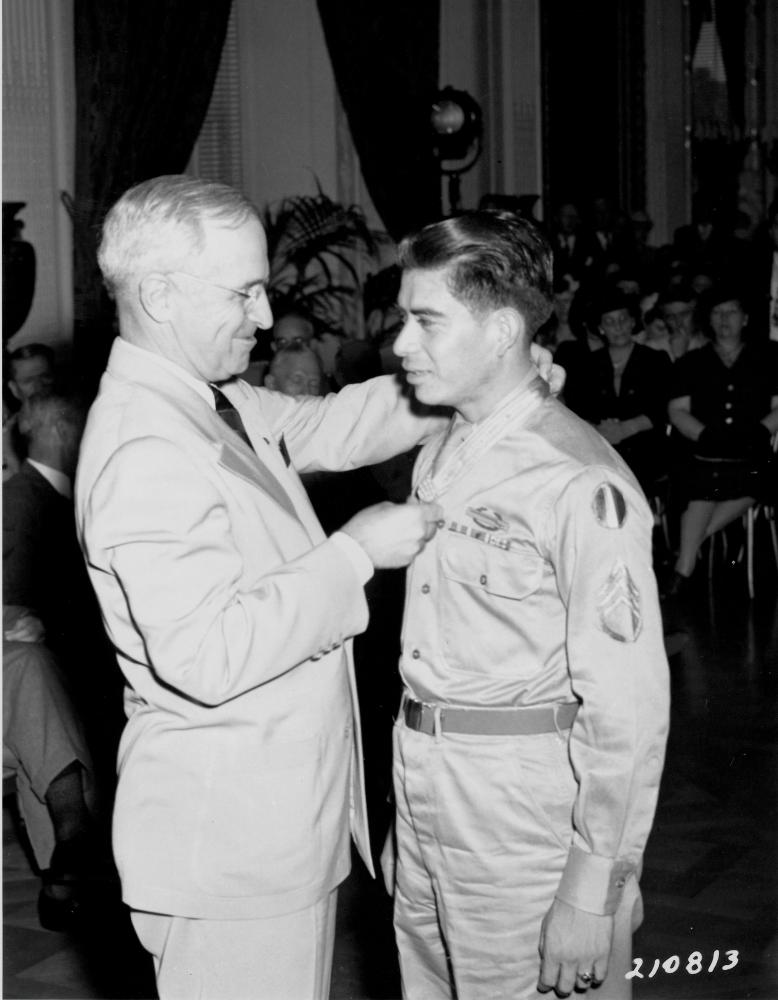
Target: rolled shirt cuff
x=359 y=559
x=593 y=883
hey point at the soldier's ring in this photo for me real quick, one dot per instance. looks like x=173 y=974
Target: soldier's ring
x=585 y=977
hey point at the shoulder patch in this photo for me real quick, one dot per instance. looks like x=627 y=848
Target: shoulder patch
x=609 y=506
x=618 y=605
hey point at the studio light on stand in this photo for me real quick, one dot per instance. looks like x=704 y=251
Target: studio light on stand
x=457 y=130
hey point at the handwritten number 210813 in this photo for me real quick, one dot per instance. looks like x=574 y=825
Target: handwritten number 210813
x=694 y=964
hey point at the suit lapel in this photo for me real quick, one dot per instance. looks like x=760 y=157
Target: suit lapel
x=245 y=401
x=263 y=467
x=257 y=474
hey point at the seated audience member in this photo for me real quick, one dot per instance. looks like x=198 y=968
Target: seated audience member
x=704 y=245
x=724 y=402
x=11 y=459
x=296 y=371
x=29 y=371
x=557 y=329
x=654 y=333
x=636 y=253
x=41 y=559
x=677 y=306
x=625 y=392
x=45 y=750
x=43 y=568
x=292 y=327
x=573 y=355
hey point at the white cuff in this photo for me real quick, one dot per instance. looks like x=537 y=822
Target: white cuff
x=359 y=559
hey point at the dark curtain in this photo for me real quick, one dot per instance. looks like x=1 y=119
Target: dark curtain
x=385 y=57
x=144 y=75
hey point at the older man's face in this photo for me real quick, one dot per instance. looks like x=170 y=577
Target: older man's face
x=296 y=374
x=222 y=299
x=31 y=376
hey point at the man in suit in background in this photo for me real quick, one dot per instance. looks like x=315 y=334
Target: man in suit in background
x=41 y=557
x=29 y=372
x=43 y=568
x=230 y=610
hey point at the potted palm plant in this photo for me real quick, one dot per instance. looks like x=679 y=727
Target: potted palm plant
x=320 y=253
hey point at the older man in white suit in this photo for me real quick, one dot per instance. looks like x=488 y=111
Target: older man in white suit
x=231 y=612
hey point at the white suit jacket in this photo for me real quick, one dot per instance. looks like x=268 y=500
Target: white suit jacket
x=240 y=768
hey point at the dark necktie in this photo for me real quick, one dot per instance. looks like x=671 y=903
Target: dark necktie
x=229 y=414
x=232 y=418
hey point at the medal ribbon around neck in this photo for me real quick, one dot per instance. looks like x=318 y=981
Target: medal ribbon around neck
x=517 y=405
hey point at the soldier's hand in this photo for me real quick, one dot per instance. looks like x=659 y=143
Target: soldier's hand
x=393 y=534
x=574 y=949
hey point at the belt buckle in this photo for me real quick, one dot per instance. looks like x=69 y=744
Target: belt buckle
x=413 y=714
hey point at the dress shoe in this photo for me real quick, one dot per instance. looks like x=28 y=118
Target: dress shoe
x=61 y=901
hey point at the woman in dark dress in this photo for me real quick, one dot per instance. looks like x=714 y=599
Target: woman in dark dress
x=725 y=404
x=624 y=392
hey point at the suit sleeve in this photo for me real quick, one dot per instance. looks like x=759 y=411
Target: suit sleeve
x=600 y=541
x=360 y=425
x=156 y=523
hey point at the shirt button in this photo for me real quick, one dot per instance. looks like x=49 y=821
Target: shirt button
x=730 y=388
x=483 y=579
x=415 y=654
x=728 y=406
x=728 y=420
x=425 y=588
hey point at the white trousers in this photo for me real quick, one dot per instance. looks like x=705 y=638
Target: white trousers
x=288 y=957
x=483 y=828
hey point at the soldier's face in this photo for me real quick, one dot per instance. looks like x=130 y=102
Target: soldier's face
x=446 y=351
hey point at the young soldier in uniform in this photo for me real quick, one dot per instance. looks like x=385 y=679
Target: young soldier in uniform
x=530 y=741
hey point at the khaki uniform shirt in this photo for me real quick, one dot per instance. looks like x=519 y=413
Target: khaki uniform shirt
x=538 y=589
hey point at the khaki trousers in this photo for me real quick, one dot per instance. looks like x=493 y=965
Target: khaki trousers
x=483 y=828
x=288 y=957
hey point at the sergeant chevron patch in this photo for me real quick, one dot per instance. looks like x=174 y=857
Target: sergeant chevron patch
x=609 y=506
x=618 y=605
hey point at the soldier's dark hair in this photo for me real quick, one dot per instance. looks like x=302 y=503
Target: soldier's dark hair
x=492 y=260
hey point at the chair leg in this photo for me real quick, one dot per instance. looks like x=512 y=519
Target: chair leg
x=750 y=550
x=773 y=532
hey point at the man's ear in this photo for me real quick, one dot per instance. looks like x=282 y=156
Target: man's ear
x=15 y=390
x=270 y=381
x=510 y=328
x=154 y=293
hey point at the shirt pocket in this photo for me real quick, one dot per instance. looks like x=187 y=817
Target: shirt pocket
x=483 y=600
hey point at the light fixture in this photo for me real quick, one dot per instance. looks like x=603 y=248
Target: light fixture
x=457 y=129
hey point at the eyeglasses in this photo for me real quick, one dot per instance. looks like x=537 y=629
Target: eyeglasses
x=251 y=298
x=281 y=343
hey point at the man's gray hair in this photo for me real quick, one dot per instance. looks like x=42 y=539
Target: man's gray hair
x=158 y=225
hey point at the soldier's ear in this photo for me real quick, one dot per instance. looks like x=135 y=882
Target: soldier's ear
x=155 y=294
x=509 y=327
x=270 y=381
